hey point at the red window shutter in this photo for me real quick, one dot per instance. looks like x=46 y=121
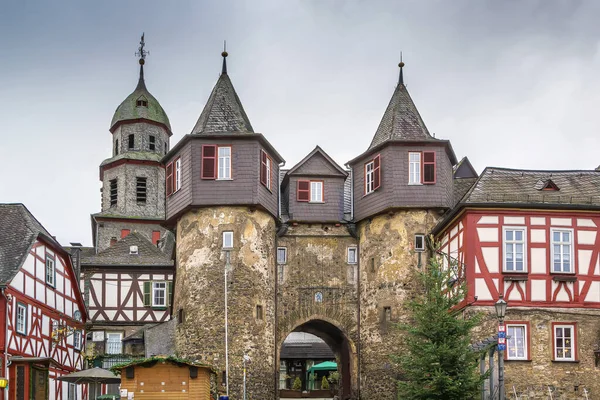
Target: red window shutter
x=169 y=179
x=429 y=167
x=155 y=237
x=263 y=167
x=209 y=161
x=303 y=190
x=125 y=232
x=376 y=172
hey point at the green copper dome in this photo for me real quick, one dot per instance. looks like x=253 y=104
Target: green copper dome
x=140 y=105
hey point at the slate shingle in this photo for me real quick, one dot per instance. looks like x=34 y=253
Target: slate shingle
x=119 y=254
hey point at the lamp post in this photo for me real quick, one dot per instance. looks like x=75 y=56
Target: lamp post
x=246 y=359
x=501 y=313
x=227 y=268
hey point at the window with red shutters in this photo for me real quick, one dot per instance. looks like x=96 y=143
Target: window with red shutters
x=209 y=161
x=263 y=168
x=376 y=172
x=303 y=191
x=429 y=167
x=169 y=179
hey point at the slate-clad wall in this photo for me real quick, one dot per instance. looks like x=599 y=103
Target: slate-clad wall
x=331 y=210
x=395 y=190
x=243 y=189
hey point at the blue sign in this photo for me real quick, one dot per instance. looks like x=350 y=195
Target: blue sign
x=223 y=397
x=501 y=347
x=502 y=335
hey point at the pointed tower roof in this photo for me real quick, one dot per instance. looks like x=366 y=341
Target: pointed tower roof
x=401 y=120
x=148 y=109
x=223 y=112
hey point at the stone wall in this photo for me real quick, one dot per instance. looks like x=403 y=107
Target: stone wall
x=317 y=290
x=533 y=377
x=141 y=132
x=386 y=260
x=199 y=293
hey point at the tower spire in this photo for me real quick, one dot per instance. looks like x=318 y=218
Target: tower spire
x=401 y=65
x=224 y=54
x=141 y=53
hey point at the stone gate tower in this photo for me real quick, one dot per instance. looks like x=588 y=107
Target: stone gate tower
x=401 y=185
x=222 y=200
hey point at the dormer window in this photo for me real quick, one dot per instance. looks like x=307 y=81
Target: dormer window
x=141 y=102
x=310 y=191
x=133 y=250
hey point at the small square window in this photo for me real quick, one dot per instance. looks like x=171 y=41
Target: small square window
x=228 y=240
x=281 y=255
x=419 y=242
x=352 y=255
x=50 y=271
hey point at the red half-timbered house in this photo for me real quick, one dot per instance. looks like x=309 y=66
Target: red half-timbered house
x=43 y=314
x=533 y=238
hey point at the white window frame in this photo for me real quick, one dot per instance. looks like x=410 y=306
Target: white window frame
x=108 y=335
x=159 y=286
x=228 y=239
x=514 y=242
x=50 y=267
x=22 y=319
x=369 y=177
x=352 y=249
x=414 y=168
x=561 y=243
x=572 y=346
x=177 y=175
x=511 y=338
x=284 y=249
x=268 y=172
x=223 y=164
x=77 y=336
x=314 y=192
x=422 y=237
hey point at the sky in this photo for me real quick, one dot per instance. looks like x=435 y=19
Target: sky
x=512 y=83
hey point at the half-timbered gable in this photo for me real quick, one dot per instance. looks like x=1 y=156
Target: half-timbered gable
x=43 y=332
x=314 y=189
x=533 y=237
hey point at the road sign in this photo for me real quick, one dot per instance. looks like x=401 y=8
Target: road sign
x=501 y=347
x=502 y=328
x=501 y=334
x=501 y=341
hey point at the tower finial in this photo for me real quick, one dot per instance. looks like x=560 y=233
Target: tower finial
x=401 y=65
x=224 y=54
x=141 y=53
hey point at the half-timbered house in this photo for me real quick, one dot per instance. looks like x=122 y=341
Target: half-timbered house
x=533 y=238
x=43 y=314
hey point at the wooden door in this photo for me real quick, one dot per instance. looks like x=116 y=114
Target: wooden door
x=39 y=384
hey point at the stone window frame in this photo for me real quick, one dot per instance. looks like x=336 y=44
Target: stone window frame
x=574 y=356
x=421 y=248
x=348 y=250
x=224 y=240
x=527 y=344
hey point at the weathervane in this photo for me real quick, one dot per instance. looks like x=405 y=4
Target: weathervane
x=141 y=53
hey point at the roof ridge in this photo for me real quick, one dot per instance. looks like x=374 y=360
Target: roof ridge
x=539 y=170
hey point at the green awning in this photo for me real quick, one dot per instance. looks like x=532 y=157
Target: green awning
x=324 y=366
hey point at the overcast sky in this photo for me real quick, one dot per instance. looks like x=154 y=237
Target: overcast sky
x=513 y=84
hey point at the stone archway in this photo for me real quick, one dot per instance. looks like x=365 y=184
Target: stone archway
x=341 y=345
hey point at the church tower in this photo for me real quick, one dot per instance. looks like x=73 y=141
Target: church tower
x=133 y=179
x=401 y=185
x=222 y=201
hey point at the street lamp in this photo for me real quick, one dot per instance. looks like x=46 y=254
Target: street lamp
x=246 y=359
x=501 y=313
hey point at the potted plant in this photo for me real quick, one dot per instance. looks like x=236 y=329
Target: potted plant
x=295 y=392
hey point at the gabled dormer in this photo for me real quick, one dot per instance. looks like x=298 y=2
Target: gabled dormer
x=405 y=166
x=313 y=189
x=222 y=161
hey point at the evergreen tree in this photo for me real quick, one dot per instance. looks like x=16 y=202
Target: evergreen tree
x=437 y=362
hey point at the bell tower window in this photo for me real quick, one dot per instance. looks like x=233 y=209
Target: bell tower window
x=141 y=190
x=113 y=192
x=152 y=142
x=131 y=142
x=116 y=147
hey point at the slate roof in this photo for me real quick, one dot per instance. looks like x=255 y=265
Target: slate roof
x=223 y=113
x=19 y=232
x=128 y=109
x=308 y=350
x=401 y=121
x=119 y=254
x=348 y=196
x=461 y=187
x=318 y=150
x=503 y=185
x=133 y=155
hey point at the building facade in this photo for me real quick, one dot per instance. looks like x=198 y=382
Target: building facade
x=42 y=334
